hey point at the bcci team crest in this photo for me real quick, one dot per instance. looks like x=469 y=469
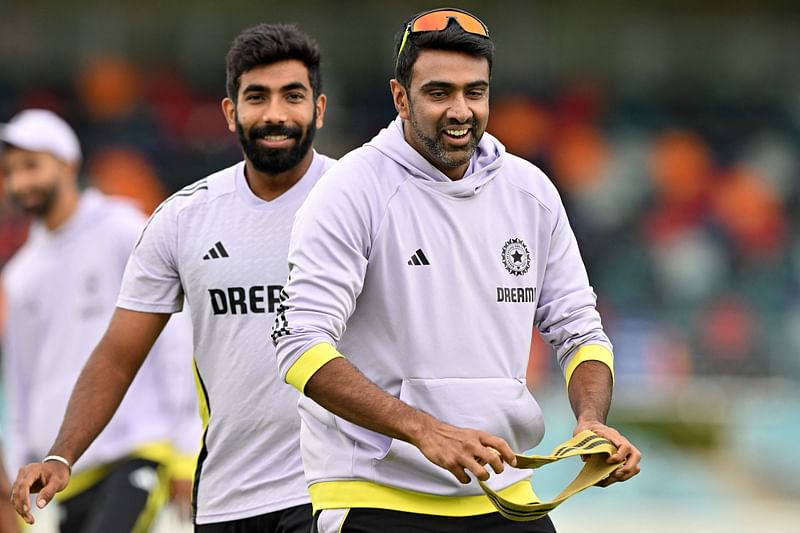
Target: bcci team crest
x=516 y=257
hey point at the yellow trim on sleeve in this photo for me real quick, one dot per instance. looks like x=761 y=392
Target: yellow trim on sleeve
x=359 y=494
x=308 y=364
x=590 y=352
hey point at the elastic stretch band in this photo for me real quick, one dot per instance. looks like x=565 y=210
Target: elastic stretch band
x=60 y=460
x=595 y=469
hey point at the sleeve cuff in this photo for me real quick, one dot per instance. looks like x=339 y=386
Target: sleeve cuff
x=308 y=364
x=590 y=352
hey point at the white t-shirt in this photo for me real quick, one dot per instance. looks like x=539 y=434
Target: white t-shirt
x=60 y=291
x=225 y=249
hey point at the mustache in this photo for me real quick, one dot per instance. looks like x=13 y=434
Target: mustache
x=471 y=123
x=257 y=132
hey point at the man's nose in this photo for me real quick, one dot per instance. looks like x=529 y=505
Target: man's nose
x=274 y=112
x=459 y=110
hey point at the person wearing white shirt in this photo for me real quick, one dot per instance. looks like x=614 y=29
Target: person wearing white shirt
x=221 y=243
x=60 y=291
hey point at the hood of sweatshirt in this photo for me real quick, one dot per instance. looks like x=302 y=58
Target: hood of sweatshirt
x=484 y=164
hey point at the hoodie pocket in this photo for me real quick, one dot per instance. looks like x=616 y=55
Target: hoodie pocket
x=500 y=406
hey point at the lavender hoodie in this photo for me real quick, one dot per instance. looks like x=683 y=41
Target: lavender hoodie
x=430 y=287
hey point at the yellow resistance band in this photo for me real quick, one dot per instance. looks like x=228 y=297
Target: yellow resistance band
x=595 y=469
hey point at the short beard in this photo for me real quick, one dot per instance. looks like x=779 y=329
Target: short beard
x=275 y=161
x=40 y=209
x=434 y=147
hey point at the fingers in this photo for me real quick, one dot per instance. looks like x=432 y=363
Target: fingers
x=21 y=491
x=502 y=449
x=44 y=478
x=464 y=451
x=632 y=457
x=460 y=471
x=460 y=463
x=472 y=459
x=492 y=451
x=47 y=493
x=487 y=456
x=623 y=473
x=626 y=452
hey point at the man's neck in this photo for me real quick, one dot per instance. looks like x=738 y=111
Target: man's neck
x=268 y=187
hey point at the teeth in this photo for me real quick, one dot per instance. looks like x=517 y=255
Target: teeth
x=276 y=137
x=457 y=133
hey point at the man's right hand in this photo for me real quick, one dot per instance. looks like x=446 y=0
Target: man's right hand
x=340 y=388
x=45 y=478
x=460 y=449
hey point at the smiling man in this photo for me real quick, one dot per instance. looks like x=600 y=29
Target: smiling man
x=418 y=266
x=221 y=243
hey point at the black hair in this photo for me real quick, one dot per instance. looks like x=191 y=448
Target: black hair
x=453 y=38
x=269 y=43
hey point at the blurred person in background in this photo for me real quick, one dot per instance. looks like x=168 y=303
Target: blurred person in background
x=222 y=242
x=425 y=257
x=59 y=293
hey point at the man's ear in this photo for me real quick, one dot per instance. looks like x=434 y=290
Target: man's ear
x=321 y=104
x=229 y=110
x=400 y=99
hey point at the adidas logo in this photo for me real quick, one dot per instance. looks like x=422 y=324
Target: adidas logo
x=418 y=259
x=216 y=252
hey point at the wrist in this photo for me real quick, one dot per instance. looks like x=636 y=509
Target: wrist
x=58 y=459
x=417 y=426
x=588 y=422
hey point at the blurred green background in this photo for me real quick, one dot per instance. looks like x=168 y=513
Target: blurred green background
x=671 y=129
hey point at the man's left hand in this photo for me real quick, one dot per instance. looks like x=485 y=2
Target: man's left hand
x=625 y=452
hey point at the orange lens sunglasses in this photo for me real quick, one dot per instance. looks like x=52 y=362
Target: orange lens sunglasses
x=438 y=19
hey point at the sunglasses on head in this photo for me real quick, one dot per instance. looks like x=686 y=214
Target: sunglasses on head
x=438 y=19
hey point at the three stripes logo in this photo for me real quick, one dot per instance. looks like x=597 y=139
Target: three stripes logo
x=418 y=259
x=216 y=252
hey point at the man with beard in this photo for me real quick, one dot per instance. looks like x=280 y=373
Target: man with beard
x=417 y=269
x=222 y=242
x=60 y=291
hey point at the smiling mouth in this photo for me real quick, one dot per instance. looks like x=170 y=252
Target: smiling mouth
x=276 y=141
x=457 y=133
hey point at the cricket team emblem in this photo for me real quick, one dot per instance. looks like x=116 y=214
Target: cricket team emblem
x=516 y=257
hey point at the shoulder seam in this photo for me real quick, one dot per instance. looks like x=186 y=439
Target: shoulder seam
x=389 y=198
x=189 y=190
x=530 y=193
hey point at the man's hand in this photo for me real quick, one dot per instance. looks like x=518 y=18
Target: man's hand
x=45 y=478
x=340 y=388
x=181 y=497
x=625 y=452
x=459 y=449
